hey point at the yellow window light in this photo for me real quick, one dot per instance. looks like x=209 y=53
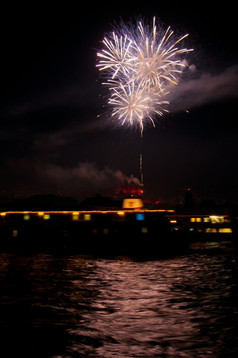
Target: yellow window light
x=121 y=213
x=14 y=233
x=173 y=221
x=132 y=203
x=75 y=216
x=87 y=217
x=192 y=220
x=144 y=230
x=46 y=216
x=26 y=217
x=216 y=219
x=3 y=214
x=211 y=230
x=225 y=230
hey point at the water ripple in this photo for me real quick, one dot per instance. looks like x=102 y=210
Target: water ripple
x=75 y=306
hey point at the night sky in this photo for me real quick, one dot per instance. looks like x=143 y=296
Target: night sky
x=56 y=134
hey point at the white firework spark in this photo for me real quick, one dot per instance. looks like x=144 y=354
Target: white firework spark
x=158 y=57
x=132 y=104
x=141 y=67
x=116 y=57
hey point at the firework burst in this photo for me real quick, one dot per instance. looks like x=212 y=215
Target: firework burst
x=141 y=66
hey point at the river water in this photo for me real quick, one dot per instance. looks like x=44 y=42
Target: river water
x=80 y=306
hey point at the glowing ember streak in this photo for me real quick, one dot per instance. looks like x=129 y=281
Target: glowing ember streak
x=141 y=67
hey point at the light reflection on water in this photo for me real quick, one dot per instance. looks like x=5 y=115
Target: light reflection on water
x=77 y=306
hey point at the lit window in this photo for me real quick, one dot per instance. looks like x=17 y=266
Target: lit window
x=26 y=217
x=14 y=233
x=132 y=203
x=173 y=221
x=144 y=230
x=75 y=217
x=87 y=217
x=193 y=220
x=225 y=230
x=217 y=219
x=211 y=230
x=46 y=216
x=140 y=217
x=121 y=213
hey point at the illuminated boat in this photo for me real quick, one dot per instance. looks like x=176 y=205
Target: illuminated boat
x=130 y=230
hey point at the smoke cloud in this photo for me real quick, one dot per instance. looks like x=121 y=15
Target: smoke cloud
x=83 y=180
x=87 y=179
x=201 y=88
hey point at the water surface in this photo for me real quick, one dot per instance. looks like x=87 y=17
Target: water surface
x=80 y=306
